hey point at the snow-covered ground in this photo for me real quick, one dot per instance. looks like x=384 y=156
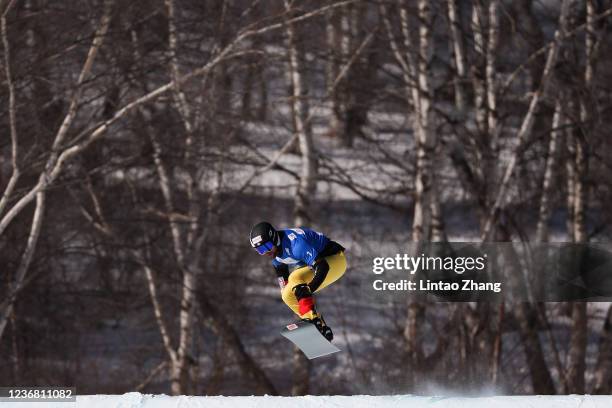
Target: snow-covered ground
x=137 y=400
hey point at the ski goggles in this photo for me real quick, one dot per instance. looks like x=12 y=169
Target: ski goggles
x=265 y=247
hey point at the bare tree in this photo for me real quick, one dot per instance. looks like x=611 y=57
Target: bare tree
x=308 y=172
x=415 y=63
x=578 y=341
x=547 y=182
x=53 y=164
x=525 y=129
x=603 y=370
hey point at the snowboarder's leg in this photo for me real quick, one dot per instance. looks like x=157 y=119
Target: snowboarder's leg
x=304 y=303
x=299 y=298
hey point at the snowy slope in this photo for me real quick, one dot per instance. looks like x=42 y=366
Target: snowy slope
x=137 y=400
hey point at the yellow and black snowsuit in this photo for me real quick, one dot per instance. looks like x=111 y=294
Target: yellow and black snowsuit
x=298 y=284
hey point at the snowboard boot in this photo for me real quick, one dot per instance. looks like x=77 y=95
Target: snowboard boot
x=322 y=327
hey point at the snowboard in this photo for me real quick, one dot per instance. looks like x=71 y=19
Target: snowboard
x=308 y=339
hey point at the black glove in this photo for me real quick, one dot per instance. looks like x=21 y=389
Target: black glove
x=302 y=291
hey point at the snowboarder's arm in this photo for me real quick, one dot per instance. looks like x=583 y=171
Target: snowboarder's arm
x=320 y=265
x=320 y=268
x=282 y=274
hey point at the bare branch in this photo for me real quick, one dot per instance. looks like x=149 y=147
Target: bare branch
x=158 y=369
x=554 y=43
x=54 y=167
x=526 y=126
x=12 y=112
x=157 y=310
x=26 y=259
x=54 y=164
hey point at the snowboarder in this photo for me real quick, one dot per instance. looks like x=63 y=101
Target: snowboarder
x=305 y=261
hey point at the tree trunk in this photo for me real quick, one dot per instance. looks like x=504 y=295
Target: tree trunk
x=479 y=68
x=231 y=339
x=496 y=354
x=331 y=72
x=603 y=369
x=579 y=336
x=179 y=364
x=413 y=342
x=540 y=375
x=418 y=57
x=421 y=99
x=308 y=174
x=547 y=183
x=15 y=362
x=492 y=154
x=299 y=109
x=15 y=174
x=438 y=233
x=459 y=60
x=577 y=349
x=26 y=259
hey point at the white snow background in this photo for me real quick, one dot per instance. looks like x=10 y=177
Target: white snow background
x=137 y=400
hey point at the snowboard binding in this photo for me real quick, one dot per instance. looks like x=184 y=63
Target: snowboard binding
x=323 y=328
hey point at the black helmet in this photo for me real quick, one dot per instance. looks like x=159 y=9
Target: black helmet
x=264 y=237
